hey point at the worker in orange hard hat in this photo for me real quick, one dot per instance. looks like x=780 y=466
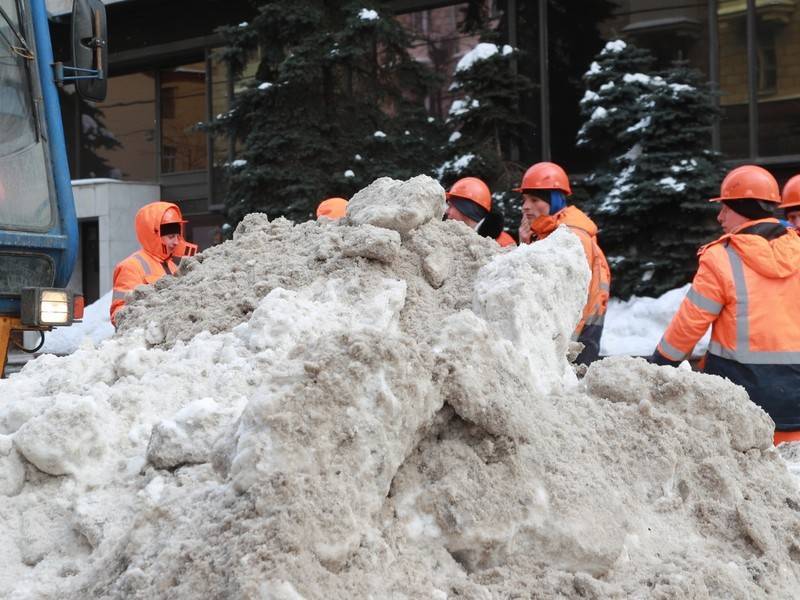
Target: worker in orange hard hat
x=470 y=201
x=544 y=189
x=160 y=230
x=745 y=288
x=790 y=201
x=332 y=208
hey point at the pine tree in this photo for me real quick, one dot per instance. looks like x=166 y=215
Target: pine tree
x=486 y=122
x=650 y=196
x=338 y=102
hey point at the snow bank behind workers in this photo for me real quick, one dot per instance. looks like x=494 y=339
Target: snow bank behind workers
x=96 y=326
x=635 y=326
x=372 y=409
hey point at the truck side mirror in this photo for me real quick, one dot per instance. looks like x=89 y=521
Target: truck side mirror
x=90 y=49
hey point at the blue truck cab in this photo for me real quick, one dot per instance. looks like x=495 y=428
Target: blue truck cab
x=38 y=224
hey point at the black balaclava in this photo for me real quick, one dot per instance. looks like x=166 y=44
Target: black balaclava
x=750 y=208
x=169 y=228
x=469 y=209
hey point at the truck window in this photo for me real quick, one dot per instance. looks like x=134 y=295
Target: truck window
x=25 y=199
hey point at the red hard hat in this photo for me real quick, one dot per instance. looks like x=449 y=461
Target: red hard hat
x=472 y=188
x=545 y=176
x=332 y=208
x=791 y=193
x=749 y=182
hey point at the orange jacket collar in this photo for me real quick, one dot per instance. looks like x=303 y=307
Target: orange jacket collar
x=570 y=216
x=775 y=259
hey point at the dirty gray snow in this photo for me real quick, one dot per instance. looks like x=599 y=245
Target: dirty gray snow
x=382 y=407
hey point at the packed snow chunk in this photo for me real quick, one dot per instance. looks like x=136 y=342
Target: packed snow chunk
x=398 y=205
x=189 y=436
x=711 y=405
x=349 y=173
x=374 y=243
x=672 y=183
x=514 y=298
x=590 y=96
x=367 y=14
x=67 y=437
x=265 y=85
x=614 y=47
x=480 y=52
x=598 y=114
x=12 y=469
x=639 y=125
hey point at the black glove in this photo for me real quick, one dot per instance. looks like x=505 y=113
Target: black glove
x=491 y=226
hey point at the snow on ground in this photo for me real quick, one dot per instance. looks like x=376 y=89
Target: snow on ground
x=95 y=326
x=635 y=326
x=381 y=407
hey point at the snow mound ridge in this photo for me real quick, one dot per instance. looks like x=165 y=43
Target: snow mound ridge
x=383 y=409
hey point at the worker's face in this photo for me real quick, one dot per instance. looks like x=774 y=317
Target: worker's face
x=729 y=219
x=794 y=218
x=456 y=215
x=170 y=241
x=534 y=206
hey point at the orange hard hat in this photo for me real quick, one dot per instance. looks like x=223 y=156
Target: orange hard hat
x=749 y=182
x=791 y=193
x=472 y=188
x=545 y=176
x=332 y=208
x=172 y=215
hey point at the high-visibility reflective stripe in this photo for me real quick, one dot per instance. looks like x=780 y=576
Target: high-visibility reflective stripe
x=700 y=301
x=670 y=351
x=595 y=320
x=143 y=263
x=119 y=295
x=755 y=358
x=742 y=322
x=605 y=287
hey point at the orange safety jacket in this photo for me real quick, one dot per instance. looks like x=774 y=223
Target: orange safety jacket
x=148 y=264
x=590 y=327
x=746 y=287
x=504 y=239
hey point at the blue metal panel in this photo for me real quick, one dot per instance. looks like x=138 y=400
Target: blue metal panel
x=68 y=222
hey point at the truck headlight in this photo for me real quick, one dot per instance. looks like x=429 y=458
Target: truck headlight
x=44 y=306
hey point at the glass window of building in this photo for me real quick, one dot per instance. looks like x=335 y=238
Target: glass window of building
x=182 y=98
x=734 y=127
x=778 y=78
x=118 y=135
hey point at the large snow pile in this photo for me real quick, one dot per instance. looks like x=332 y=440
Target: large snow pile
x=381 y=407
x=635 y=326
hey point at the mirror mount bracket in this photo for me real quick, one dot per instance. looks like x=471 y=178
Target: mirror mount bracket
x=60 y=71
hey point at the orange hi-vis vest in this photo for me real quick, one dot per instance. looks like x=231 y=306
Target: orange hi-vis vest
x=140 y=268
x=594 y=312
x=746 y=288
x=147 y=265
